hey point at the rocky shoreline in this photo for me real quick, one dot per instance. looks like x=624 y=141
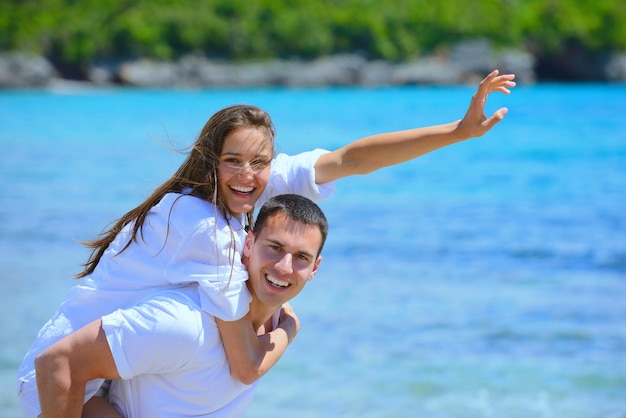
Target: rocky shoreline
x=466 y=62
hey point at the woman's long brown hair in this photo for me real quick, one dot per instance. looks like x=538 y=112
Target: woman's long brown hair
x=198 y=173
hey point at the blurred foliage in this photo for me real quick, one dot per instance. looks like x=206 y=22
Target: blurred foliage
x=78 y=31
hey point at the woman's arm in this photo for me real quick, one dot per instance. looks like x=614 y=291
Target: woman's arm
x=374 y=152
x=98 y=407
x=250 y=355
x=65 y=367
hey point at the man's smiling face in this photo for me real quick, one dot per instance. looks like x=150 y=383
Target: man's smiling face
x=281 y=259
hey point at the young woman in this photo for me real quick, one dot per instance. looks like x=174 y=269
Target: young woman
x=192 y=228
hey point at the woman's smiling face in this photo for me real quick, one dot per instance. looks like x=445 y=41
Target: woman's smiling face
x=244 y=169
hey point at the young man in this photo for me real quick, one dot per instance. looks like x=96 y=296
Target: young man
x=164 y=355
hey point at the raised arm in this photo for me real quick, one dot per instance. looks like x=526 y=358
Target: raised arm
x=65 y=367
x=250 y=353
x=383 y=150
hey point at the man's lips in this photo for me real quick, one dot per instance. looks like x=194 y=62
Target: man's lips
x=277 y=282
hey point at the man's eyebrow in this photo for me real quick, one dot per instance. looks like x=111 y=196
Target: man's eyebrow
x=274 y=242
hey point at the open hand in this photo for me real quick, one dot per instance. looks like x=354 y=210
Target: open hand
x=475 y=122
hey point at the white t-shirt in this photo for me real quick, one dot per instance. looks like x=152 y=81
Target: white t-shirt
x=199 y=248
x=169 y=352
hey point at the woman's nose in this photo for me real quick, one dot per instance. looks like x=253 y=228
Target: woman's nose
x=246 y=169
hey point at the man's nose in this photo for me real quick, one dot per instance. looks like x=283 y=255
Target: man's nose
x=285 y=264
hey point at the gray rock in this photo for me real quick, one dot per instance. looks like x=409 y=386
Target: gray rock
x=520 y=63
x=473 y=56
x=103 y=73
x=19 y=69
x=336 y=70
x=426 y=71
x=376 y=73
x=148 y=73
x=616 y=68
x=200 y=71
x=466 y=62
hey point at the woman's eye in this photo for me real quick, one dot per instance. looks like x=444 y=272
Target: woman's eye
x=259 y=163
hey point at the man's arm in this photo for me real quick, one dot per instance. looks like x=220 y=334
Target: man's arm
x=249 y=355
x=65 y=367
x=374 y=152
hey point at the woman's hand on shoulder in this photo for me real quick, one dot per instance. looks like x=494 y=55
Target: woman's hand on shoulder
x=289 y=321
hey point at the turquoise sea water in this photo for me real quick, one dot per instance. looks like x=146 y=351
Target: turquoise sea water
x=487 y=279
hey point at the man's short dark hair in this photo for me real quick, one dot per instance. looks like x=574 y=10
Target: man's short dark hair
x=297 y=208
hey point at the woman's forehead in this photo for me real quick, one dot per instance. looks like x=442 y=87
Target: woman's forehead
x=245 y=141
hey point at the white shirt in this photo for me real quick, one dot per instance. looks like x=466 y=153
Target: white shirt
x=169 y=352
x=198 y=249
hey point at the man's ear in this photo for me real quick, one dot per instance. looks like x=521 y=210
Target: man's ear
x=247 y=245
x=315 y=267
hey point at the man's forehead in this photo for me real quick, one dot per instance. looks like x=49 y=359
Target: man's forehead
x=280 y=227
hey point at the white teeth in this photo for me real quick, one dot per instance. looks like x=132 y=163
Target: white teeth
x=277 y=282
x=242 y=189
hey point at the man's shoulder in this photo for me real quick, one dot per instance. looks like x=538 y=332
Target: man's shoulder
x=176 y=315
x=162 y=333
x=173 y=310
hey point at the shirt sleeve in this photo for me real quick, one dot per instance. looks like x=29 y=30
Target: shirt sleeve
x=296 y=174
x=140 y=336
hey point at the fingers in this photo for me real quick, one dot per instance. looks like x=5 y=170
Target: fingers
x=475 y=122
x=486 y=84
x=490 y=76
x=504 y=83
x=286 y=309
x=501 y=113
x=495 y=118
x=495 y=82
